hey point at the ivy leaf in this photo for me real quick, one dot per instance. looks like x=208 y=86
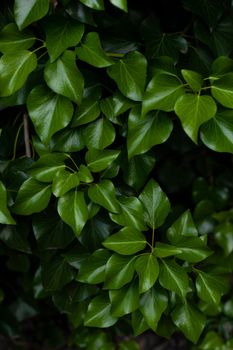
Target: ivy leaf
x=124 y=300
x=152 y=305
x=163 y=250
x=63 y=182
x=189 y=320
x=56 y=274
x=221 y=89
x=212 y=340
x=98 y=313
x=194 y=79
x=99 y=134
x=5 y=216
x=84 y=174
x=119 y=271
x=183 y=227
x=121 y=4
x=72 y=209
x=224 y=237
x=129 y=345
x=193 y=249
x=129 y=73
x=47 y=166
x=33 y=197
x=104 y=194
x=11 y=39
x=162 y=93
x=61 y=33
x=27 y=12
x=156 y=204
x=67 y=140
x=94 y=4
x=14 y=70
x=91 y=52
x=173 y=277
x=221 y=66
x=64 y=78
x=88 y=111
x=193 y=111
x=147 y=132
x=98 y=160
x=211 y=287
x=92 y=269
x=208 y=10
x=48 y=111
x=115 y=105
x=127 y=241
x=130 y=215
x=147 y=268
x=217 y=133
x=139 y=323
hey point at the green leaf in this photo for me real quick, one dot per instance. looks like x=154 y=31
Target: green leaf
x=147 y=132
x=63 y=182
x=99 y=134
x=147 y=268
x=129 y=345
x=162 y=93
x=193 y=249
x=84 y=174
x=104 y=194
x=27 y=12
x=124 y=300
x=94 y=4
x=224 y=237
x=56 y=274
x=129 y=73
x=221 y=89
x=92 y=269
x=221 y=66
x=139 y=324
x=119 y=271
x=173 y=277
x=64 y=78
x=47 y=166
x=163 y=250
x=91 y=51
x=115 y=105
x=61 y=33
x=121 y=4
x=189 y=320
x=152 y=305
x=14 y=70
x=33 y=197
x=209 y=10
x=72 y=208
x=15 y=238
x=87 y=112
x=68 y=140
x=217 y=133
x=11 y=39
x=127 y=241
x=131 y=213
x=183 y=227
x=156 y=204
x=194 y=79
x=211 y=341
x=193 y=111
x=48 y=111
x=98 y=313
x=5 y=216
x=98 y=160
x=210 y=288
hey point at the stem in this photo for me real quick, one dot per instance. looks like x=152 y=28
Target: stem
x=26 y=136
x=44 y=53
x=114 y=54
x=16 y=141
x=73 y=162
x=38 y=48
x=153 y=237
x=206 y=88
x=73 y=171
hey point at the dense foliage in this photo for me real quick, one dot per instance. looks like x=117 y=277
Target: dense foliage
x=116 y=167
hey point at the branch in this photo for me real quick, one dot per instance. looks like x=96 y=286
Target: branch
x=26 y=135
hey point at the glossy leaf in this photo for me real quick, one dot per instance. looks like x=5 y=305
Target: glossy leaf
x=98 y=313
x=26 y=12
x=121 y=4
x=147 y=268
x=222 y=90
x=5 y=216
x=183 y=227
x=189 y=320
x=91 y=51
x=129 y=73
x=138 y=323
x=152 y=305
x=156 y=204
x=98 y=160
x=162 y=93
x=48 y=111
x=72 y=208
x=193 y=249
x=124 y=300
x=104 y=194
x=14 y=70
x=127 y=241
x=99 y=134
x=119 y=271
x=224 y=237
x=33 y=197
x=61 y=33
x=194 y=79
x=94 y=4
x=64 y=78
x=63 y=182
x=163 y=250
x=12 y=39
x=173 y=277
x=87 y=112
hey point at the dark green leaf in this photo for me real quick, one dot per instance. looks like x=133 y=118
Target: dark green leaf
x=183 y=227
x=11 y=39
x=94 y=4
x=138 y=323
x=163 y=250
x=119 y=271
x=224 y=237
x=63 y=182
x=99 y=134
x=147 y=268
x=27 y=12
x=124 y=300
x=99 y=160
x=222 y=90
x=194 y=79
x=104 y=194
x=5 y=216
x=87 y=112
